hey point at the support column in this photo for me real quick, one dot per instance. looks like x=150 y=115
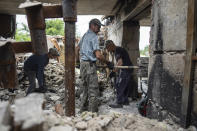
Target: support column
x=36 y=23
x=167 y=59
x=7 y=25
x=70 y=17
x=130 y=41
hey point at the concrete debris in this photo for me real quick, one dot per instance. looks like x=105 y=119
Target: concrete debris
x=54 y=98
x=59 y=109
x=143 y=66
x=82 y=125
x=5 y=119
x=4 y=128
x=28 y=113
x=62 y=128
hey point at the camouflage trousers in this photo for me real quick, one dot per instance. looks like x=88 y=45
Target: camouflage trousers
x=90 y=87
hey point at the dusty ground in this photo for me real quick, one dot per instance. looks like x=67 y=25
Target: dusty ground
x=107 y=119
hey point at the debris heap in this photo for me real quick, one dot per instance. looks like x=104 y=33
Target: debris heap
x=29 y=114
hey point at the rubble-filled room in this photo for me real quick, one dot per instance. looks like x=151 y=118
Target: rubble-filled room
x=98 y=65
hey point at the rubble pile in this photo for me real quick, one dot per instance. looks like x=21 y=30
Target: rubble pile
x=45 y=112
x=29 y=113
x=54 y=82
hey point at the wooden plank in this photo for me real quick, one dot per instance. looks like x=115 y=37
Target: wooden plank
x=188 y=73
x=137 y=10
x=69 y=15
x=54 y=11
x=22 y=47
x=144 y=14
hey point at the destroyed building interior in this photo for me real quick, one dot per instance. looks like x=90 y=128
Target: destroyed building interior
x=163 y=85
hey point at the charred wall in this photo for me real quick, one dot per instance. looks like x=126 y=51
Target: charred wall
x=166 y=65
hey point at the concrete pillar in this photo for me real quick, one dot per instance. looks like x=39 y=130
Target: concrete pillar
x=7 y=25
x=130 y=41
x=166 y=63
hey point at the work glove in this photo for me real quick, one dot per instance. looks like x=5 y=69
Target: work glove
x=112 y=74
x=77 y=65
x=110 y=65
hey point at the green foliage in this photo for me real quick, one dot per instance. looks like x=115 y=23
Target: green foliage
x=22 y=34
x=145 y=51
x=55 y=27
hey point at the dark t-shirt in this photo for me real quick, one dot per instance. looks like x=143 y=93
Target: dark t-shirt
x=37 y=63
x=122 y=53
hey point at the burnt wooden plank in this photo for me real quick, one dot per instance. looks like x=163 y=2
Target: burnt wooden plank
x=189 y=64
x=140 y=7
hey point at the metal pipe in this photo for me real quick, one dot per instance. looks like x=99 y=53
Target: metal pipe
x=69 y=16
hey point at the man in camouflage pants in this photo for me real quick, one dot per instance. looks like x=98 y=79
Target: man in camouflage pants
x=89 y=51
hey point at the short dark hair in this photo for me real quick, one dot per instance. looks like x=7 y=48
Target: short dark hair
x=108 y=42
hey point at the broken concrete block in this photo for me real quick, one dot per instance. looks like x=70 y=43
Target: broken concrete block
x=54 y=98
x=59 y=109
x=62 y=128
x=82 y=125
x=28 y=113
x=5 y=114
x=105 y=121
x=4 y=128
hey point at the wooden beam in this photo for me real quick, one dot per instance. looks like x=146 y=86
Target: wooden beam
x=36 y=23
x=54 y=11
x=137 y=10
x=189 y=64
x=22 y=47
x=70 y=17
x=144 y=14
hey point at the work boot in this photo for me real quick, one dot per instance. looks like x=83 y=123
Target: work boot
x=116 y=105
x=126 y=103
x=41 y=90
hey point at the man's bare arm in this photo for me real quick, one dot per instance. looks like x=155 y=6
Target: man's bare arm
x=100 y=57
